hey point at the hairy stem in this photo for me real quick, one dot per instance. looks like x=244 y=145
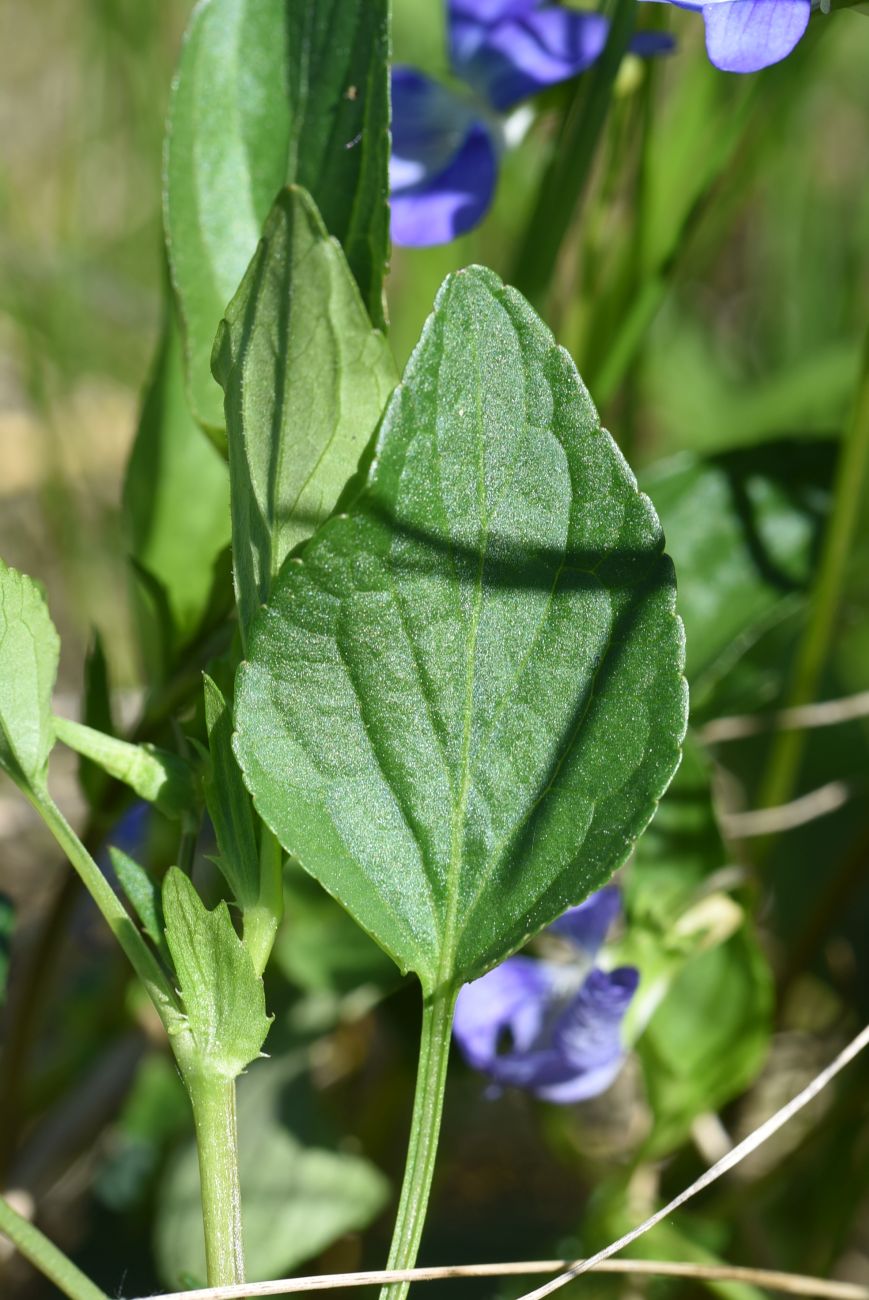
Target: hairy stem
x=434 y=1051
x=848 y=492
x=46 y=1257
x=213 y=1100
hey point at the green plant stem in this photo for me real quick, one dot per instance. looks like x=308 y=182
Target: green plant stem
x=142 y=959
x=434 y=1051
x=46 y=1257
x=214 y=1115
x=212 y=1096
x=848 y=491
x=649 y=290
x=568 y=173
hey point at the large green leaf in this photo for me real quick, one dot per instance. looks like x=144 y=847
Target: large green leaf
x=299 y=1194
x=270 y=92
x=323 y=951
x=306 y=380
x=465 y=698
x=176 y=504
x=29 y=652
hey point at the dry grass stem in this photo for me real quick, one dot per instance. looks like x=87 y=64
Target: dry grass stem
x=787 y=1283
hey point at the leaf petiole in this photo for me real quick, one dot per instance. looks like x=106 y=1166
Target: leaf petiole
x=261 y=921
x=434 y=1052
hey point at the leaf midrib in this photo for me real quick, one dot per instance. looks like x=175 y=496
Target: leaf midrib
x=446 y=971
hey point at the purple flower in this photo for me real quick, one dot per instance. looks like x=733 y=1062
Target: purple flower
x=445 y=147
x=747 y=35
x=552 y=1027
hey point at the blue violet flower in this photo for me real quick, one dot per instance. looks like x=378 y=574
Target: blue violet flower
x=747 y=35
x=445 y=146
x=552 y=1027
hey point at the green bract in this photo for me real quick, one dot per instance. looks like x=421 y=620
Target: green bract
x=29 y=653
x=466 y=697
x=222 y=995
x=269 y=92
x=143 y=893
x=306 y=379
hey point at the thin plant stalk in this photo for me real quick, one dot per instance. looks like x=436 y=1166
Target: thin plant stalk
x=848 y=495
x=568 y=173
x=141 y=958
x=652 y=285
x=434 y=1051
x=214 y=1116
x=45 y=1256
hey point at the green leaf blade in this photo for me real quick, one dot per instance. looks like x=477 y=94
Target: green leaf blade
x=343 y=47
x=306 y=379
x=466 y=697
x=267 y=94
x=29 y=655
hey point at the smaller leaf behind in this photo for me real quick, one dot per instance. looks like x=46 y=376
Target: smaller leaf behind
x=7 y=926
x=306 y=378
x=29 y=653
x=222 y=995
x=269 y=93
x=743 y=528
x=97 y=713
x=155 y=775
x=176 y=508
x=143 y=892
x=228 y=803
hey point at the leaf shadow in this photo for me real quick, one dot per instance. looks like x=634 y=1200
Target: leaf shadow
x=802 y=472
x=635 y=574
